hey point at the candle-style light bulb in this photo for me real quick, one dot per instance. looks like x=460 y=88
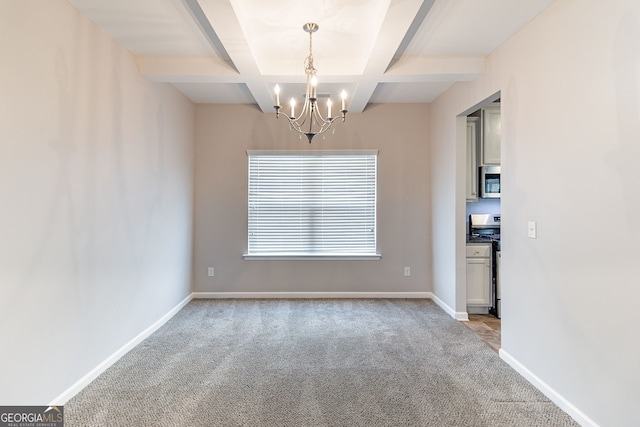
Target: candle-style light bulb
x=292 y=102
x=328 y=108
x=277 y=91
x=314 y=83
x=343 y=95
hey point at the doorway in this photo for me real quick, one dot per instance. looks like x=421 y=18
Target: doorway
x=479 y=146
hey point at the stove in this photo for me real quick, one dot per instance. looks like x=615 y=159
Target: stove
x=485 y=228
x=484 y=224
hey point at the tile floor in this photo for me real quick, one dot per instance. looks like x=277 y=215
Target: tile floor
x=487 y=327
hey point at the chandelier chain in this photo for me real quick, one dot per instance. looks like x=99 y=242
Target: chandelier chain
x=309 y=61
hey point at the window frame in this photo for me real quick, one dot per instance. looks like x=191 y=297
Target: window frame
x=312 y=256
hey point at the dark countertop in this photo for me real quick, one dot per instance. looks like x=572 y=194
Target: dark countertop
x=483 y=239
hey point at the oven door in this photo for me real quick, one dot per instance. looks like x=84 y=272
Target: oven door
x=490 y=182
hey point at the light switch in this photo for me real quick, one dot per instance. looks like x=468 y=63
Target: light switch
x=532 y=230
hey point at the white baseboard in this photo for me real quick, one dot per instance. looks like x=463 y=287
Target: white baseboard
x=458 y=315
x=95 y=372
x=462 y=316
x=553 y=395
x=291 y=295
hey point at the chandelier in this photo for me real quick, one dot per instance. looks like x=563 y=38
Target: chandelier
x=310 y=122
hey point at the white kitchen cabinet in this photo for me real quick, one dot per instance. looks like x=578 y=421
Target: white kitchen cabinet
x=491 y=135
x=479 y=275
x=472 y=161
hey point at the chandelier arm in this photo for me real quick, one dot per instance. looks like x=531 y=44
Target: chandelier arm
x=298 y=122
x=293 y=121
x=328 y=119
x=306 y=107
x=295 y=125
x=304 y=115
x=323 y=123
x=311 y=114
x=323 y=129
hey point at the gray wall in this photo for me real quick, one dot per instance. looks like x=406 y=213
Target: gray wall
x=225 y=132
x=570 y=87
x=96 y=184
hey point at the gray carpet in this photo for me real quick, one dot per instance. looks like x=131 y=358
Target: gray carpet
x=312 y=363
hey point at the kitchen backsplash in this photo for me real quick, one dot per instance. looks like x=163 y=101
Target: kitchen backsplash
x=489 y=206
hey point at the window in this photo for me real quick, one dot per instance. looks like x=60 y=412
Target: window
x=319 y=204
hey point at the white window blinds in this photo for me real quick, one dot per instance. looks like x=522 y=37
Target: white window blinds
x=312 y=203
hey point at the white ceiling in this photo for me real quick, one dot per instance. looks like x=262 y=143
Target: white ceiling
x=380 y=51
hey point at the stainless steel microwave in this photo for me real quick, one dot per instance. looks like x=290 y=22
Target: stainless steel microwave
x=490 y=182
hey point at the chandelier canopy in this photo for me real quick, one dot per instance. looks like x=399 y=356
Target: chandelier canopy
x=310 y=122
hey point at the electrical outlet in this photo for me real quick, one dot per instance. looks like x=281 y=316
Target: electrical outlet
x=210 y=271
x=407 y=271
x=532 y=230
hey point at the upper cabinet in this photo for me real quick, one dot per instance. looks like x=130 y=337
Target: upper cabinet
x=483 y=146
x=472 y=161
x=490 y=142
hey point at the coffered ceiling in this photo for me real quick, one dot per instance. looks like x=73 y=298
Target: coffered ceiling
x=380 y=51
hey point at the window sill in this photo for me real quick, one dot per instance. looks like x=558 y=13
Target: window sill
x=347 y=257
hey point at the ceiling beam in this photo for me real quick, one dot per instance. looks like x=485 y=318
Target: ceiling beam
x=198 y=15
x=222 y=17
x=401 y=21
x=413 y=29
